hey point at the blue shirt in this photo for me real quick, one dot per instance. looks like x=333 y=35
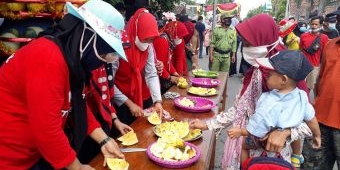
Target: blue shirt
x=276 y=110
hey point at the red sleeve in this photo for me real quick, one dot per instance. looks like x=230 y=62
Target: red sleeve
x=161 y=47
x=91 y=121
x=47 y=81
x=172 y=69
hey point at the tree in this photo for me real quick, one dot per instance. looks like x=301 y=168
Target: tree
x=279 y=9
x=210 y=2
x=254 y=11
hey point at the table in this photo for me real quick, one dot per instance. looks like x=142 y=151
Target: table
x=145 y=135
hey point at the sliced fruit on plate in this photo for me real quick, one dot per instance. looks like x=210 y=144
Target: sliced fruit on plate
x=154 y=119
x=117 y=164
x=194 y=133
x=172 y=129
x=202 y=91
x=165 y=150
x=187 y=102
x=128 y=139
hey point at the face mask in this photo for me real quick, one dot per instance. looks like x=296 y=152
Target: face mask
x=87 y=55
x=177 y=41
x=303 y=29
x=332 y=26
x=251 y=53
x=315 y=30
x=141 y=46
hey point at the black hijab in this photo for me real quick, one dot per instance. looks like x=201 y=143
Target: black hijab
x=67 y=35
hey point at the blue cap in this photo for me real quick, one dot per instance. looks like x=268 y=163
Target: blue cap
x=292 y=63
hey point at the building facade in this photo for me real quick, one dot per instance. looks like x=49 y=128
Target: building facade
x=303 y=9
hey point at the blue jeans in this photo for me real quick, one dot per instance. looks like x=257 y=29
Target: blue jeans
x=329 y=153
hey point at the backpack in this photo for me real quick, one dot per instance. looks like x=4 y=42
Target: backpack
x=267 y=163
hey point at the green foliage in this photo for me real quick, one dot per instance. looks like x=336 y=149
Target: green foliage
x=210 y=2
x=278 y=11
x=254 y=11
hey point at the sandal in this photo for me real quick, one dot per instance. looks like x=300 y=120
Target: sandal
x=297 y=160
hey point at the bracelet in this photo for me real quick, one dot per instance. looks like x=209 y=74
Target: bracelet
x=159 y=101
x=103 y=142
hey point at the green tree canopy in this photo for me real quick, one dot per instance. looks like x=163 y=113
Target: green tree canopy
x=254 y=11
x=278 y=9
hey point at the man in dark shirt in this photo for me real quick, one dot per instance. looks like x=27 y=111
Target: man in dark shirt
x=337 y=16
x=200 y=27
x=329 y=27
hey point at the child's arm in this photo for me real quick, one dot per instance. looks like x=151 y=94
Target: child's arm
x=237 y=132
x=314 y=127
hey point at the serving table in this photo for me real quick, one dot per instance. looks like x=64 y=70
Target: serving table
x=146 y=136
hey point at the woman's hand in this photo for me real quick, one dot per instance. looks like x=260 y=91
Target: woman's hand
x=159 y=109
x=174 y=79
x=276 y=140
x=198 y=124
x=86 y=167
x=111 y=150
x=134 y=109
x=122 y=127
x=159 y=67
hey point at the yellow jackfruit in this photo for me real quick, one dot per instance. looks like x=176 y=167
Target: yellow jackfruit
x=128 y=139
x=117 y=164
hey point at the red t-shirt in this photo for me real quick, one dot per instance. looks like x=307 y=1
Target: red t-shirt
x=306 y=40
x=34 y=90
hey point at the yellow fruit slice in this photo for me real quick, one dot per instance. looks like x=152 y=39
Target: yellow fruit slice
x=117 y=164
x=172 y=129
x=194 y=133
x=154 y=119
x=128 y=139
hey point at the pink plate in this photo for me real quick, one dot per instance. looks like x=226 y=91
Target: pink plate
x=201 y=104
x=174 y=164
x=205 y=82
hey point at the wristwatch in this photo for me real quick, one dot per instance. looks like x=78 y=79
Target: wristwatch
x=103 y=142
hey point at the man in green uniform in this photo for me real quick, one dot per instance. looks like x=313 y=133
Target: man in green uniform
x=223 y=42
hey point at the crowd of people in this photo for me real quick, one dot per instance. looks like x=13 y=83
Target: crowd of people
x=67 y=94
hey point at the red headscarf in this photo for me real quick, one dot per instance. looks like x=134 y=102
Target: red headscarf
x=257 y=34
x=129 y=75
x=175 y=28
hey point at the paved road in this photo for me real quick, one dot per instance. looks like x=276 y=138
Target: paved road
x=234 y=84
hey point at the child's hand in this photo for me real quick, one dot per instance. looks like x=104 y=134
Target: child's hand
x=316 y=142
x=197 y=124
x=234 y=133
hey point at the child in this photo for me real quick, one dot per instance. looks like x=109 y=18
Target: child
x=283 y=107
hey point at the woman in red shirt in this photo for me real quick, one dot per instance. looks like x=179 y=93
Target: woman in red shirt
x=164 y=51
x=176 y=31
x=137 y=79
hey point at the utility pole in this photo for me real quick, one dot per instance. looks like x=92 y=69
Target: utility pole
x=214 y=16
x=287 y=9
